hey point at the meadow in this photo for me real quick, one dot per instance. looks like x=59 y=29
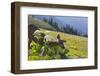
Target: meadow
x=76 y=45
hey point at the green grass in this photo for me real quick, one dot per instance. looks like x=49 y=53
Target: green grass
x=76 y=45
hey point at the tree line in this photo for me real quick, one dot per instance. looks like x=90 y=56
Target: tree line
x=66 y=29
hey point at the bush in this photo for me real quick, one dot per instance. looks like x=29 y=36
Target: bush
x=45 y=52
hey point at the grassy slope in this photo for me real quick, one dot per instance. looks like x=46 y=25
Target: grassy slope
x=76 y=45
x=40 y=23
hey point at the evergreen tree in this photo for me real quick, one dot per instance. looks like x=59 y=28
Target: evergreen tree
x=67 y=29
x=45 y=20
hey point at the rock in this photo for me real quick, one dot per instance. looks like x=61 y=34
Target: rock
x=31 y=29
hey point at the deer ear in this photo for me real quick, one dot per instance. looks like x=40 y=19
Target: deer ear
x=58 y=36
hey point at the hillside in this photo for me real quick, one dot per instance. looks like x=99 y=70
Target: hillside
x=76 y=45
x=40 y=23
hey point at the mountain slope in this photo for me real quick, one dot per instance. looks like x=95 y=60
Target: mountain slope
x=76 y=45
x=40 y=23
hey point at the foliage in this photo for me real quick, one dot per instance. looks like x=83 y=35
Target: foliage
x=45 y=52
x=76 y=45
